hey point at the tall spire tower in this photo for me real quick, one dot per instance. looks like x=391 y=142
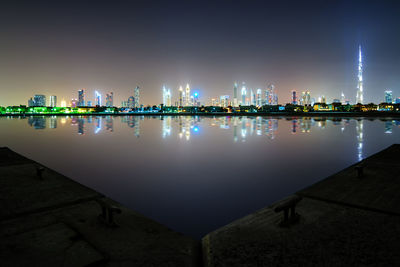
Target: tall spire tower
x=360 y=92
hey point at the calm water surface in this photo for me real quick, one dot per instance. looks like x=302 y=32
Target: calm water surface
x=195 y=174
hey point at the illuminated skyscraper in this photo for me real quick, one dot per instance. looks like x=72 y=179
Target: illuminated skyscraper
x=252 y=98
x=63 y=103
x=235 y=96
x=137 y=97
x=244 y=93
x=39 y=100
x=74 y=103
x=224 y=101
x=110 y=99
x=196 y=101
x=294 y=97
x=81 y=98
x=272 y=98
x=131 y=102
x=360 y=92
x=166 y=96
x=53 y=101
x=187 y=94
x=388 y=97
x=306 y=98
x=259 y=101
x=97 y=98
x=181 y=93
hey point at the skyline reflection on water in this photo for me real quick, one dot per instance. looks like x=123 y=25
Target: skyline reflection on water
x=192 y=173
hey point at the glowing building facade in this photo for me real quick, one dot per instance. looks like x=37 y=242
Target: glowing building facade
x=137 y=97
x=166 y=97
x=360 y=89
x=181 y=95
x=235 y=96
x=187 y=95
x=294 y=97
x=81 y=98
x=110 y=99
x=97 y=97
x=259 y=101
x=244 y=94
x=388 y=97
x=53 y=101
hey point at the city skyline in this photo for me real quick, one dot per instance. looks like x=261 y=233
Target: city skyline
x=317 y=54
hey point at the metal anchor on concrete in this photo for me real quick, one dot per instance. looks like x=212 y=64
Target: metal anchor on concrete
x=360 y=171
x=107 y=212
x=289 y=205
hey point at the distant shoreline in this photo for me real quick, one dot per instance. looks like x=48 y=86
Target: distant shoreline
x=224 y=114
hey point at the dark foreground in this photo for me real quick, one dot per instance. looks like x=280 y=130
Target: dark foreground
x=348 y=219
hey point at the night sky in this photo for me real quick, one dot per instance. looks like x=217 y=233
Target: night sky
x=56 y=48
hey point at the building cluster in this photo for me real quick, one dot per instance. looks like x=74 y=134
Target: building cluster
x=244 y=100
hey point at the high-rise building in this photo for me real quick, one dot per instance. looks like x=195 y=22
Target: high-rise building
x=63 y=103
x=110 y=99
x=166 y=96
x=53 y=101
x=388 y=97
x=360 y=89
x=196 y=101
x=235 y=96
x=244 y=94
x=259 y=101
x=294 y=97
x=97 y=98
x=342 y=98
x=81 y=98
x=31 y=103
x=253 y=98
x=181 y=94
x=39 y=100
x=131 y=102
x=224 y=101
x=187 y=94
x=397 y=100
x=271 y=97
x=74 y=103
x=89 y=103
x=137 y=97
x=306 y=98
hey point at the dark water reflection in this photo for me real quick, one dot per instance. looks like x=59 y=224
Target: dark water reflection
x=195 y=174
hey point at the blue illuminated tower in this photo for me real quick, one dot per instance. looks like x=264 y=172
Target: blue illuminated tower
x=97 y=98
x=81 y=97
x=360 y=96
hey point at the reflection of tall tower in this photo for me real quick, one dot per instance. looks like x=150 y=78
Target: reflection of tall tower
x=166 y=128
x=81 y=126
x=360 y=96
x=360 y=141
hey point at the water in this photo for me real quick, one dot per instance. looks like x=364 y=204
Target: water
x=195 y=174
